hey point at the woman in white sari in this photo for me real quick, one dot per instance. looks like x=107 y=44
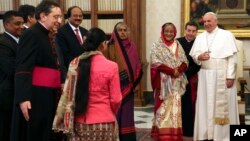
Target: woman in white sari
x=168 y=62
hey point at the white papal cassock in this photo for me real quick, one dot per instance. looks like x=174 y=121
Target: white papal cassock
x=212 y=84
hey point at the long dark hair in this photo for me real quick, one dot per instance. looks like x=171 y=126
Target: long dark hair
x=94 y=38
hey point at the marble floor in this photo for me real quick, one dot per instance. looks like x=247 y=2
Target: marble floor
x=143 y=122
x=247 y=117
x=247 y=101
x=144 y=116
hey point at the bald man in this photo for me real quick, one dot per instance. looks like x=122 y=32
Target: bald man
x=216 y=106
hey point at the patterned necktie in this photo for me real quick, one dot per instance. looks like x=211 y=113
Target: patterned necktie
x=78 y=36
x=54 y=47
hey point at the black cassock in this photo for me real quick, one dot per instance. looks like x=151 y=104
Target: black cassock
x=36 y=70
x=189 y=98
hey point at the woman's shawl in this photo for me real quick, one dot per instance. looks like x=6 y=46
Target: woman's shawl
x=160 y=54
x=65 y=113
x=124 y=53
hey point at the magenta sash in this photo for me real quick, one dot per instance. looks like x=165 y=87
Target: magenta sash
x=46 y=77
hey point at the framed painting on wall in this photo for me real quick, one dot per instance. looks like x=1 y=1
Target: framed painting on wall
x=233 y=15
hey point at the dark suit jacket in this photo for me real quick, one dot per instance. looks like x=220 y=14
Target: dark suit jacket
x=67 y=41
x=8 y=47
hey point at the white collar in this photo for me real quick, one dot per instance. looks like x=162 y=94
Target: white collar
x=214 y=31
x=25 y=26
x=73 y=28
x=15 y=38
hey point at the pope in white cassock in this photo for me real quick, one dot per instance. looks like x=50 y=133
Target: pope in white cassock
x=216 y=106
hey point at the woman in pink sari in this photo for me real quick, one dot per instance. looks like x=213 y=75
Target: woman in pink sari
x=168 y=62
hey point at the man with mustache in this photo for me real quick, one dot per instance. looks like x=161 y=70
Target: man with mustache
x=70 y=36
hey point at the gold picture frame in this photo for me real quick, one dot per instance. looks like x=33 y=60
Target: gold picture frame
x=235 y=19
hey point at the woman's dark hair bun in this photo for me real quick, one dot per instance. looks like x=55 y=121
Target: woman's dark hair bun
x=94 y=38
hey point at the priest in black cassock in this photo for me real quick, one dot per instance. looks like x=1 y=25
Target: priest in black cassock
x=37 y=77
x=189 y=98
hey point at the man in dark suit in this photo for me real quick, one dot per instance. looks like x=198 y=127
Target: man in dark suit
x=28 y=14
x=69 y=40
x=13 y=25
x=37 y=77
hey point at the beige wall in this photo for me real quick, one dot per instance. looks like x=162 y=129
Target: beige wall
x=159 y=12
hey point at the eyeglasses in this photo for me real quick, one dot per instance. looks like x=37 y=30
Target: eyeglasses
x=57 y=16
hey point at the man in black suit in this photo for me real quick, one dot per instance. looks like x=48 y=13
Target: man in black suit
x=28 y=14
x=13 y=25
x=67 y=40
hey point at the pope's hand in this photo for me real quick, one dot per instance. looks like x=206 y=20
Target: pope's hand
x=204 y=56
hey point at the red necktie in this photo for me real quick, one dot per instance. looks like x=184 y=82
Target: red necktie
x=78 y=36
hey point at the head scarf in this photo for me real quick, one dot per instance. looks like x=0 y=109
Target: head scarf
x=129 y=49
x=129 y=61
x=168 y=42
